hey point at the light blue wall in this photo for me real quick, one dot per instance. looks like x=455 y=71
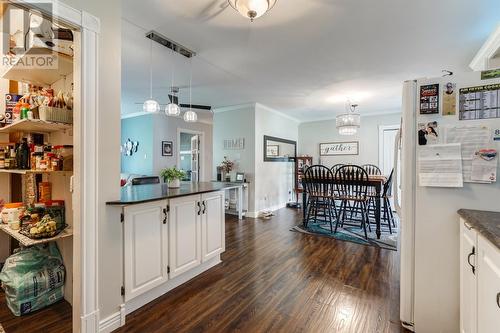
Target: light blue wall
x=138 y=129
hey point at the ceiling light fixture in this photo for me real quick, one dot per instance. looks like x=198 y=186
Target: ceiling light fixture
x=190 y=116
x=252 y=9
x=349 y=122
x=150 y=105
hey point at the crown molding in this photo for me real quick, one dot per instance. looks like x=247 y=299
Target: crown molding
x=234 y=107
x=279 y=113
x=487 y=51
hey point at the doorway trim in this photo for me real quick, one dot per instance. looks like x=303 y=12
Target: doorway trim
x=85 y=316
x=381 y=129
x=201 y=162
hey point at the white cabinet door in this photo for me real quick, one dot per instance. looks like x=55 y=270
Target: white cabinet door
x=145 y=245
x=213 y=228
x=488 y=287
x=184 y=234
x=468 y=294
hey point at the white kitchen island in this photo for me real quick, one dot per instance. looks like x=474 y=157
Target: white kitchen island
x=169 y=237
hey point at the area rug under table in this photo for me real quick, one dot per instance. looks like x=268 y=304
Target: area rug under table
x=353 y=234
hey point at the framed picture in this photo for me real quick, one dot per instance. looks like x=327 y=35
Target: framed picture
x=167 y=148
x=339 y=148
x=273 y=151
x=240 y=177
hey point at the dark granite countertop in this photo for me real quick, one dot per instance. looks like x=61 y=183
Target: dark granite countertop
x=486 y=223
x=136 y=194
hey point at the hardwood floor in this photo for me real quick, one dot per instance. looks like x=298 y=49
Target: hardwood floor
x=275 y=280
x=53 y=319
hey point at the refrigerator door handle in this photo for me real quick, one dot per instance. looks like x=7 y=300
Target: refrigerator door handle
x=396 y=175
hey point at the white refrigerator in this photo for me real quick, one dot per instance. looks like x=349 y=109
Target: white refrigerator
x=429 y=240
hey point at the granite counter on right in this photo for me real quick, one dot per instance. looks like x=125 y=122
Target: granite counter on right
x=486 y=223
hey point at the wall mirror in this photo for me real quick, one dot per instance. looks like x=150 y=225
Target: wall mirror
x=279 y=150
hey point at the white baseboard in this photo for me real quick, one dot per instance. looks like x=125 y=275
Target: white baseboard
x=90 y=322
x=113 y=322
x=154 y=293
x=272 y=209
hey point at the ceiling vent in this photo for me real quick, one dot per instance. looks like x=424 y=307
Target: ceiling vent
x=168 y=43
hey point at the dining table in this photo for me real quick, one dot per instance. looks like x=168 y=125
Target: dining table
x=376 y=182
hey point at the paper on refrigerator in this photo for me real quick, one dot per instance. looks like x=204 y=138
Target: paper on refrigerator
x=484 y=166
x=440 y=165
x=472 y=139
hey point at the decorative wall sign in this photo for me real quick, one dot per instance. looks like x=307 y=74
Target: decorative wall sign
x=339 y=148
x=234 y=144
x=129 y=148
x=273 y=151
x=429 y=99
x=480 y=102
x=167 y=148
x=450 y=99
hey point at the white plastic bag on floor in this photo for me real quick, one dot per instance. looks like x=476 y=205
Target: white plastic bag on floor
x=33 y=278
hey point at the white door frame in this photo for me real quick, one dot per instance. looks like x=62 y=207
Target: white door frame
x=381 y=130
x=85 y=194
x=201 y=162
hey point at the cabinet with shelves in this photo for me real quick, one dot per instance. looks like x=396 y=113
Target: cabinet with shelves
x=301 y=163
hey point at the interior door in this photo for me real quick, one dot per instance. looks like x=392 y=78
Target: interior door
x=195 y=158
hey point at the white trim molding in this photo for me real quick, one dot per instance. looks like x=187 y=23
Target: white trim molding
x=279 y=113
x=113 y=322
x=489 y=49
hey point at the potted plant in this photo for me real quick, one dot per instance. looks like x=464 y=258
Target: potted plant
x=172 y=176
x=226 y=167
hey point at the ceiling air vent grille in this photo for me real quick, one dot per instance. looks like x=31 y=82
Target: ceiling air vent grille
x=168 y=43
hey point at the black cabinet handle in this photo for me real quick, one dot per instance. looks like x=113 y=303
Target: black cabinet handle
x=204 y=207
x=498 y=300
x=164 y=216
x=468 y=259
x=199 y=207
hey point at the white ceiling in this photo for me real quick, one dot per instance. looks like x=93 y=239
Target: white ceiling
x=303 y=57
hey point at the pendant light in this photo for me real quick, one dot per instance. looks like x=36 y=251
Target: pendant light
x=151 y=106
x=190 y=116
x=172 y=109
x=349 y=122
x=252 y=9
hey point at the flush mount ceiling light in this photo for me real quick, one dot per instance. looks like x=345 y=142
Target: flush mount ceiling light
x=252 y=9
x=151 y=105
x=348 y=123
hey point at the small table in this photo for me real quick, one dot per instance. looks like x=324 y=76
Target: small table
x=239 y=187
x=375 y=181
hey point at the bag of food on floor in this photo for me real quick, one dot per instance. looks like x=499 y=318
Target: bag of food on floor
x=33 y=278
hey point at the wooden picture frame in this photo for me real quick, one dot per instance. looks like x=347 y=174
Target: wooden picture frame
x=167 y=148
x=339 y=148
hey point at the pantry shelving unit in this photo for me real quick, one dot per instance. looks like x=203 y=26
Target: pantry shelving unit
x=58 y=78
x=26 y=241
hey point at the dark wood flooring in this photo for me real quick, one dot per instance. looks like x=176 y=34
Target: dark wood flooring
x=275 y=280
x=53 y=319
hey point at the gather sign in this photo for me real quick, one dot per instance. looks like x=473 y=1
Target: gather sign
x=339 y=148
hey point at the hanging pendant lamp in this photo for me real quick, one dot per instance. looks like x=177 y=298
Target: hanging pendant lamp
x=190 y=116
x=172 y=109
x=150 y=105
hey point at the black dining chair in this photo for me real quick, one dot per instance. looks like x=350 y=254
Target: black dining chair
x=386 y=195
x=336 y=167
x=352 y=186
x=372 y=169
x=320 y=194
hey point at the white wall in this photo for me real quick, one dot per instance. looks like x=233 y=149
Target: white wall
x=274 y=181
x=233 y=123
x=313 y=133
x=270 y=182
x=109 y=76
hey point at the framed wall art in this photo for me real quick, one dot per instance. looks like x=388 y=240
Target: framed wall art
x=339 y=148
x=167 y=148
